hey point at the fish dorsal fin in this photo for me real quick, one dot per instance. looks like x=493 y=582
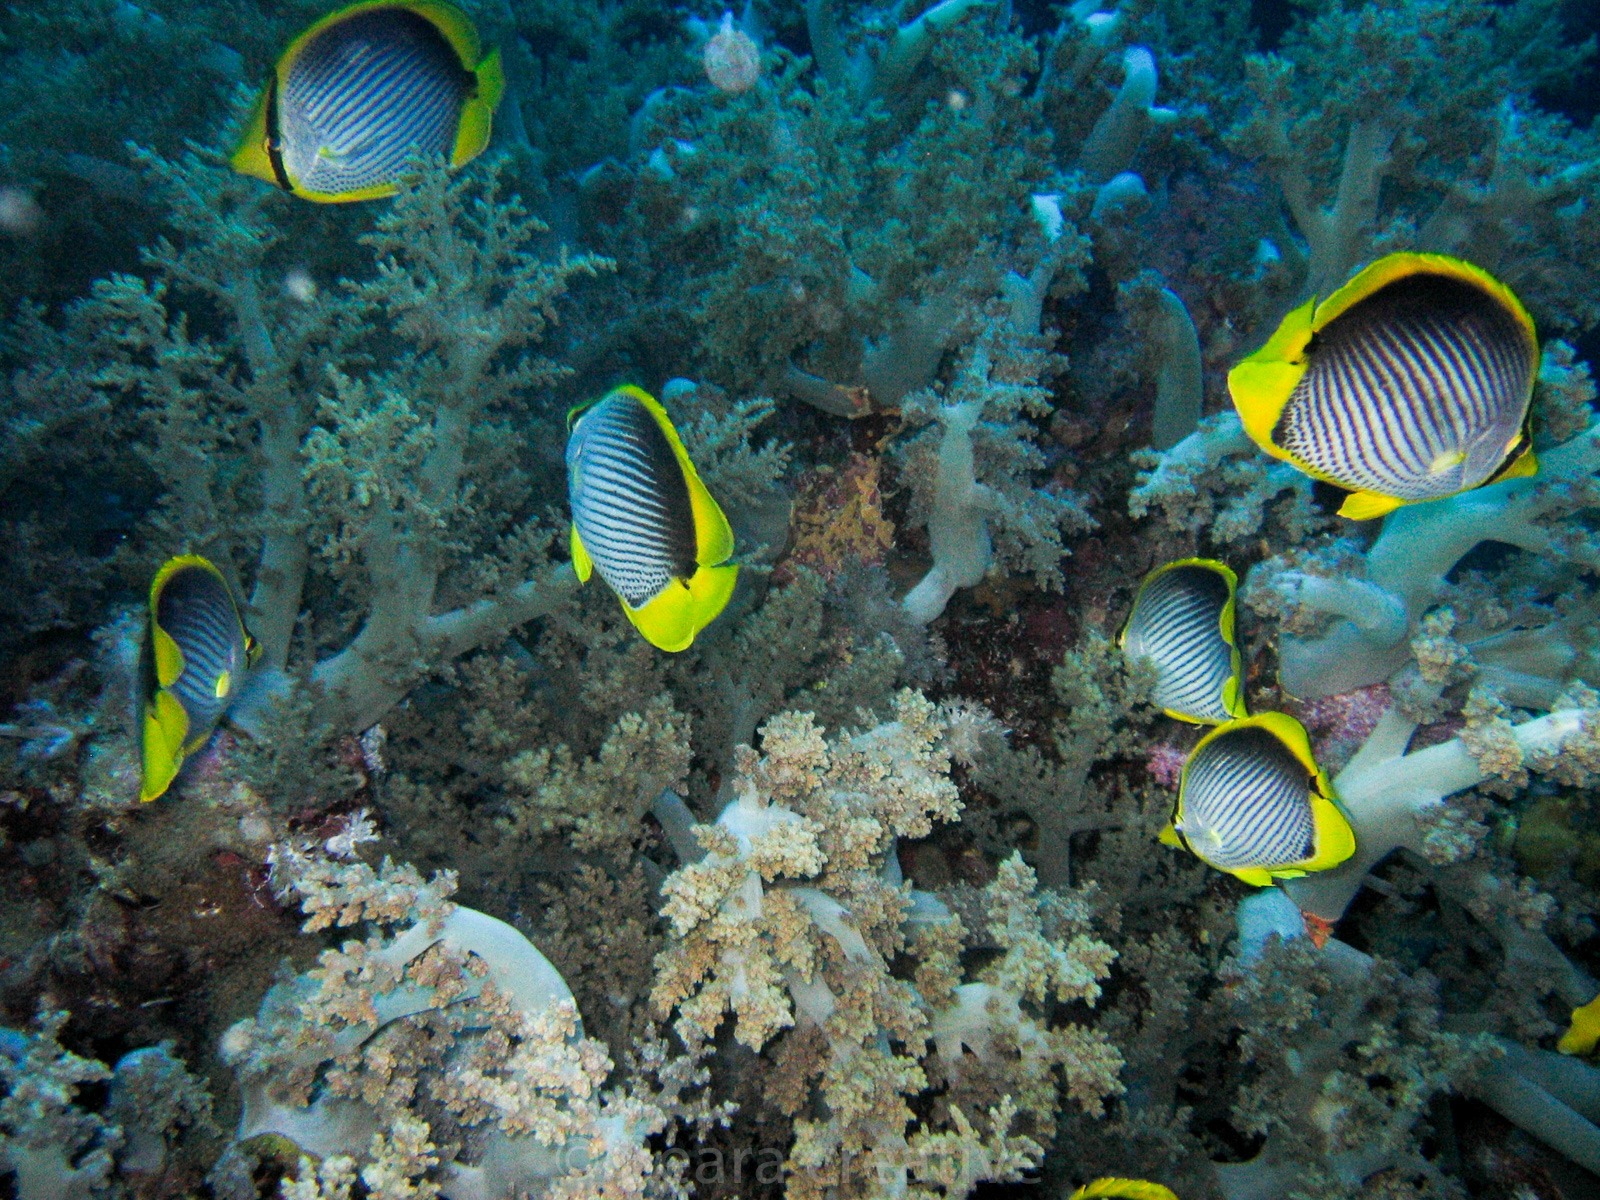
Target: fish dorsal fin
x=1392 y=268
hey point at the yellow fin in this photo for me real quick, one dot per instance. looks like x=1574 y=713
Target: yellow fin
x=477 y=114
x=581 y=562
x=1368 y=506
x=1123 y=1189
x=161 y=744
x=1584 y=1031
x=1170 y=837
x=684 y=608
x=1393 y=267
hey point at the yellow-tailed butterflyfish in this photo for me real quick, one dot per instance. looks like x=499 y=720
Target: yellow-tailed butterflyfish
x=1409 y=383
x=196 y=652
x=642 y=518
x=1253 y=802
x=361 y=90
x=1182 y=620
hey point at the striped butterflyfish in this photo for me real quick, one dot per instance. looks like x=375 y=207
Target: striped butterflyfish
x=1253 y=802
x=1409 y=383
x=195 y=654
x=1182 y=620
x=642 y=518
x=365 y=88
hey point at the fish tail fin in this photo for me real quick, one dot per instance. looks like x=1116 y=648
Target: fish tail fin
x=684 y=608
x=250 y=156
x=477 y=115
x=161 y=748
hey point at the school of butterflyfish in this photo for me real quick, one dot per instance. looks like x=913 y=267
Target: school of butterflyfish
x=1411 y=382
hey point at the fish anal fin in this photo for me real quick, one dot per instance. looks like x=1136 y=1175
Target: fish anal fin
x=1368 y=506
x=684 y=607
x=161 y=745
x=581 y=562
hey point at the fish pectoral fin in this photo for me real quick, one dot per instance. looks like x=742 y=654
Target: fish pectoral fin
x=1367 y=506
x=1447 y=461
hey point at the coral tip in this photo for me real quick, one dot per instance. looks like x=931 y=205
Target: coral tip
x=732 y=58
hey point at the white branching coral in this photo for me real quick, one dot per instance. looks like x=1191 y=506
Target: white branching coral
x=794 y=920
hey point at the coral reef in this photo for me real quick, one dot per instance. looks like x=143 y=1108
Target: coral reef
x=476 y=895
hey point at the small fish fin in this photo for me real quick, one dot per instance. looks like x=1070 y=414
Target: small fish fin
x=1368 y=506
x=1123 y=1189
x=250 y=156
x=1584 y=1031
x=1169 y=837
x=477 y=114
x=252 y=650
x=684 y=608
x=581 y=562
x=166 y=726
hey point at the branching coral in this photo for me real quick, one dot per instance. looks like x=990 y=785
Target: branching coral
x=456 y=1015
x=378 y=468
x=793 y=920
x=969 y=473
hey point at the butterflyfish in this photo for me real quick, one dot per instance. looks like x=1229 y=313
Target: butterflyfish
x=644 y=520
x=364 y=88
x=1183 y=621
x=196 y=652
x=1123 y=1189
x=1253 y=802
x=1409 y=383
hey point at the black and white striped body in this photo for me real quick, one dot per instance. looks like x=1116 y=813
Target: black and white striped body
x=630 y=501
x=1177 y=623
x=362 y=95
x=1246 y=802
x=1413 y=393
x=195 y=610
